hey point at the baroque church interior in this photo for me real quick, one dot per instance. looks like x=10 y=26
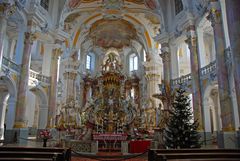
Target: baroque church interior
x=86 y=69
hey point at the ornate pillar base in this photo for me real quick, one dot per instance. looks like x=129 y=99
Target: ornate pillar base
x=16 y=136
x=230 y=140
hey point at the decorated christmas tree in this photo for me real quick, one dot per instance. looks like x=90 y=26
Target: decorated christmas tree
x=181 y=130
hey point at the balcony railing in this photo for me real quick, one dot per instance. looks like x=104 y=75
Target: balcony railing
x=204 y=72
x=182 y=79
x=39 y=77
x=210 y=68
x=11 y=65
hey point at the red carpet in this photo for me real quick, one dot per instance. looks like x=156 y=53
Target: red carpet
x=140 y=158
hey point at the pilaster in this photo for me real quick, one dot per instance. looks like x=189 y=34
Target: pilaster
x=20 y=119
x=226 y=105
x=195 y=66
x=56 y=52
x=6 y=9
x=233 y=21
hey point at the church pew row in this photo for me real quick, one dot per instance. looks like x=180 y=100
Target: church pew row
x=18 y=153
x=28 y=159
x=193 y=154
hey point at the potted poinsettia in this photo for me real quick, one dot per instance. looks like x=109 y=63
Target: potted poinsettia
x=45 y=135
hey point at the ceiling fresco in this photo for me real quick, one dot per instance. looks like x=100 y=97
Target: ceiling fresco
x=112 y=33
x=148 y=3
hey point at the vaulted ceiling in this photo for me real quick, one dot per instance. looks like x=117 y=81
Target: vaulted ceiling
x=111 y=23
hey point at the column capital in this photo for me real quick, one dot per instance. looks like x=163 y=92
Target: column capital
x=215 y=13
x=7 y=9
x=152 y=76
x=191 y=37
x=70 y=75
x=165 y=56
x=30 y=37
x=56 y=53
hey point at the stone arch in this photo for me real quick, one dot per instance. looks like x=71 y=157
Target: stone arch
x=42 y=105
x=211 y=109
x=8 y=103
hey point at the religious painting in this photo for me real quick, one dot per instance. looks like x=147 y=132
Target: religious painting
x=112 y=33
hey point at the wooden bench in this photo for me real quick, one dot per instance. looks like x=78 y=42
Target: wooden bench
x=192 y=154
x=35 y=153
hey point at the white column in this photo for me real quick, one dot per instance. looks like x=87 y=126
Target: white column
x=12 y=47
x=11 y=113
x=174 y=62
x=201 y=48
x=3 y=24
x=46 y=66
x=3 y=104
x=19 y=47
x=43 y=113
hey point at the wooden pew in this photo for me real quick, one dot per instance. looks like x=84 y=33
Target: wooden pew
x=196 y=156
x=155 y=154
x=58 y=154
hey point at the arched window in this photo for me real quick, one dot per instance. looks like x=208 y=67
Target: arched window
x=88 y=62
x=178 y=6
x=144 y=55
x=133 y=62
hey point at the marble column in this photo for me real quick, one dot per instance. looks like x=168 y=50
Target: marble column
x=11 y=113
x=3 y=26
x=36 y=114
x=53 y=89
x=70 y=78
x=43 y=113
x=222 y=73
x=3 y=104
x=20 y=118
x=6 y=9
x=195 y=70
x=166 y=58
x=233 y=21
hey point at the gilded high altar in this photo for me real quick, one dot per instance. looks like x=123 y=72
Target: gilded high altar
x=110 y=106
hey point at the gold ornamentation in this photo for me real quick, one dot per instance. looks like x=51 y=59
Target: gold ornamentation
x=215 y=16
x=6 y=9
x=57 y=52
x=30 y=37
x=20 y=124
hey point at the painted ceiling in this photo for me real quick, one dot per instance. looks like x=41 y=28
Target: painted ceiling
x=112 y=33
x=76 y=3
x=111 y=23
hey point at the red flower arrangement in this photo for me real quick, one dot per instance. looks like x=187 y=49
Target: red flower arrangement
x=45 y=134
